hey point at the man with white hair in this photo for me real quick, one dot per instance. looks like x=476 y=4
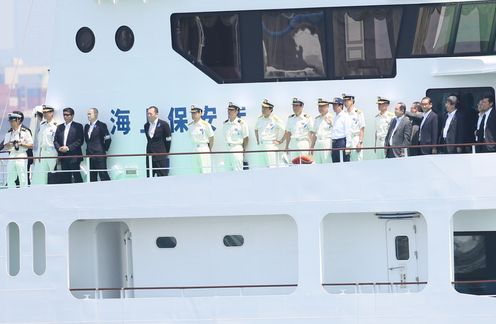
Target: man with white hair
x=454 y=128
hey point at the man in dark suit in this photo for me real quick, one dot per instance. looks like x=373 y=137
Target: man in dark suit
x=158 y=136
x=454 y=129
x=97 y=138
x=486 y=125
x=415 y=115
x=68 y=140
x=428 y=133
x=399 y=132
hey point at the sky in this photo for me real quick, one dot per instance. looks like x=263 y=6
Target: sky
x=26 y=31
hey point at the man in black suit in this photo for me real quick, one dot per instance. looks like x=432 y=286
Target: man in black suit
x=68 y=140
x=454 y=129
x=97 y=138
x=399 y=132
x=486 y=125
x=158 y=136
x=415 y=115
x=428 y=133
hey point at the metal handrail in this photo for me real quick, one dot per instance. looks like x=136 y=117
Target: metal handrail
x=374 y=283
x=246 y=152
x=186 y=287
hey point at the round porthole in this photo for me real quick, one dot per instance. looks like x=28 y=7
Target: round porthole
x=85 y=40
x=124 y=38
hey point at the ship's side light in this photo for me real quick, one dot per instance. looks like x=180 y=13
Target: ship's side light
x=398 y=215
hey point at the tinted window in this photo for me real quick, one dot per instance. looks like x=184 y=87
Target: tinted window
x=13 y=249
x=468 y=100
x=365 y=41
x=293 y=44
x=475 y=262
x=124 y=38
x=166 y=242
x=85 y=40
x=234 y=240
x=433 y=31
x=402 y=248
x=474 y=30
x=210 y=41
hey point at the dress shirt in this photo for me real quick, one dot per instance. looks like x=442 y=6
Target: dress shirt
x=153 y=126
x=342 y=126
x=398 y=121
x=90 y=129
x=448 y=122
x=66 y=132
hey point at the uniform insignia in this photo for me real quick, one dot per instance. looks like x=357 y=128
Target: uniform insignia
x=225 y=121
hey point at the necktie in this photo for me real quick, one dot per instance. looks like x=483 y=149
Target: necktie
x=480 y=130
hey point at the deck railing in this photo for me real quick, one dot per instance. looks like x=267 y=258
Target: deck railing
x=468 y=148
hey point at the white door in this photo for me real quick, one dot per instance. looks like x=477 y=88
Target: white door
x=402 y=254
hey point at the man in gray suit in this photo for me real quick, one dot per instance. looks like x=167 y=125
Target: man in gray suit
x=399 y=132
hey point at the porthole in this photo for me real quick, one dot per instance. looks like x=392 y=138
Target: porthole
x=85 y=40
x=234 y=240
x=124 y=38
x=166 y=242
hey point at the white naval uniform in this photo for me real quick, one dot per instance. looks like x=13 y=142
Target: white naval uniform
x=299 y=128
x=382 y=122
x=18 y=168
x=234 y=133
x=322 y=127
x=200 y=133
x=269 y=130
x=357 y=123
x=45 y=148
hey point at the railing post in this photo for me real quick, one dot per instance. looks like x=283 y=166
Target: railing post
x=150 y=166
x=473 y=149
x=341 y=155
x=87 y=163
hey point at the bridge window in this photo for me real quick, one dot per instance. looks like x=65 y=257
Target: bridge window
x=293 y=44
x=365 y=41
x=124 y=38
x=474 y=30
x=39 y=248
x=211 y=42
x=85 y=40
x=14 y=249
x=433 y=32
x=166 y=242
x=234 y=240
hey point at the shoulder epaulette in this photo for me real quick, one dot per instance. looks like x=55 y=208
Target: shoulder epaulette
x=43 y=123
x=24 y=129
x=319 y=116
x=190 y=123
x=358 y=111
x=261 y=116
x=291 y=116
x=10 y=130
x=225 y=121
x=240 y=120
x=377 y=115
x=55 y=123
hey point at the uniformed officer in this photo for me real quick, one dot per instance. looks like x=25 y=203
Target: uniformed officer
x=357 y=127
x=298 y=128
x=382 y=121
x=341 y=132
x=268 y=134
x=44 y=147
x=321 y=133
x=17 y=141
x=202 y=138
x=236 y=137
